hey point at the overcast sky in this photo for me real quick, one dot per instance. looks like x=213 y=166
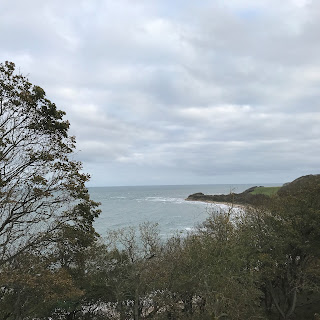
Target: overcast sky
x=177 y=91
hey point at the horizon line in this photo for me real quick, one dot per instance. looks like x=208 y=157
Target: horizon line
x=176 y=185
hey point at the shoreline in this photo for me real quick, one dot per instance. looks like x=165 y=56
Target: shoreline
x=231 y=205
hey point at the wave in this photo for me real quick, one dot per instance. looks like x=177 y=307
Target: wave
x=171 y=200
x=164 y=199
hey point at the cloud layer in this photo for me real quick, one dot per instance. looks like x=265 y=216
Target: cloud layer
x=174 y=92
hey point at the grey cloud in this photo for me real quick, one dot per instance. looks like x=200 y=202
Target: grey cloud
x=163 y=92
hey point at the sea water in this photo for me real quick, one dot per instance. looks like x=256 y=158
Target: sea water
x=124 y=207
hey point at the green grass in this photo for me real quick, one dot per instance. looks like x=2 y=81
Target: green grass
x=268 y=191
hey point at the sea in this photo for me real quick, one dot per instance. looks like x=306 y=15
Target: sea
x=124 y=207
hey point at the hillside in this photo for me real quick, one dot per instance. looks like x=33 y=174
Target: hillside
x=245 y=197
x=259 y=194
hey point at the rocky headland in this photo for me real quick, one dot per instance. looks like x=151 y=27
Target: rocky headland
x=252 y=197
x=245 y=197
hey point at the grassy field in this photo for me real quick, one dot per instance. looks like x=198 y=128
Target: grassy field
x=268 y=191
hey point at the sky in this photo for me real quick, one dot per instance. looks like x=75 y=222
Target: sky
x=163 y=92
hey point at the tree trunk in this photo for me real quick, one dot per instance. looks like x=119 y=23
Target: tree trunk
x=171 y=316
x=122 y=313
x=275 y=301
x=293 y=304
x=267 y=300
x=188 y=305
x=136 y=304
x=202 y=305
x=71 y=315
x=17 y=311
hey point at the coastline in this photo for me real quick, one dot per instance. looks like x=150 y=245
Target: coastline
x=228 y=204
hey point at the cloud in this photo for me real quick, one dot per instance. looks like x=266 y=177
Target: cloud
x=161 y=92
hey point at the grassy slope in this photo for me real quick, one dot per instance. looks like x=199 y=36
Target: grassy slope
x=268 y=191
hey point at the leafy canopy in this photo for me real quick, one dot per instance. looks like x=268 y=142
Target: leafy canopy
x=42 y=188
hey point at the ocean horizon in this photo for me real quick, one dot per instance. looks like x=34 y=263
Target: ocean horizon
x=130 y=206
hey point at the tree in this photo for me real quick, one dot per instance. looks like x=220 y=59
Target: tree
x=132 y=265
x=228 y=284
x=41 y=187
x=283 y=237
x=205 y=275
x=30 y=288
x=44 y=205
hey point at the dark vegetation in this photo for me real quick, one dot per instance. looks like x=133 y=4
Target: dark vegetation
x=259 y=262
x=254 y=195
